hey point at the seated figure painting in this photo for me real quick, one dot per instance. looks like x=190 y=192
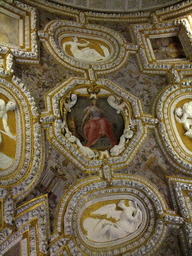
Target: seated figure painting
x=95 y=123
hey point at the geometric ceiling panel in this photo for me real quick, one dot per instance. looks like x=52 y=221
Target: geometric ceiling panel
x=18 y=32
x=93 y=157
x=181 y=193
x=162 y=45
x=173 y=109
x=94 y=124
x=32 y=230
x=81 y=46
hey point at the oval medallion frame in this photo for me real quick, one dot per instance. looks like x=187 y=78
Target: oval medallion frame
x=171 y=134
x=29 y=153
x=88 y=40
x=92 y=192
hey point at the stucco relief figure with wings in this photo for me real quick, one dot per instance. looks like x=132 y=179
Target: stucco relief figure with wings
x=184 y=115
x=128 y=220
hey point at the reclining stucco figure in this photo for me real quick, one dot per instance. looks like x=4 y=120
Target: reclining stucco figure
x=128 y=219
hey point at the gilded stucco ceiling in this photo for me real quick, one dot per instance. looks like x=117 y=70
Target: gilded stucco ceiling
x=95 y=130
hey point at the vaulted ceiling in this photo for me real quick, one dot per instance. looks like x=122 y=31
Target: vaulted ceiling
x=117 y=5
x=95 y=128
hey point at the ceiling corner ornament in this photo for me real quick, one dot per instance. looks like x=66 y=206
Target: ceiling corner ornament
x=174 y=111
x=94 y=123
x=116 y=219
x=80 y=46
x=31 y=229
x=19 y=127
x=180 y=190
x=18 y=33
x=163 y=46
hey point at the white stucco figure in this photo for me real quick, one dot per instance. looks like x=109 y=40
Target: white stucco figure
x=83 y=52
x=4 y=108
x=70 y=102
x=100 y=229
x=85 y=150
x=184 y=115
x=117 y=149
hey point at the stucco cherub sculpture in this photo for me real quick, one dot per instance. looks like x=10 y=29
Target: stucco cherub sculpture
x=4 y=108
x=184 y=115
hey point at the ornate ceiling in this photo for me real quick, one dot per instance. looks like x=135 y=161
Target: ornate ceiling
x=116 y=5
x=95 y=129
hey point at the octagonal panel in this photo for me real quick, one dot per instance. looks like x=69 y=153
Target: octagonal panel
x=95 y=123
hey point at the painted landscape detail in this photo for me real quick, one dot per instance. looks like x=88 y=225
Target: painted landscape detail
x=167 y=48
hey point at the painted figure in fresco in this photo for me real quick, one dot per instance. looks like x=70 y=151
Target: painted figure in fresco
x=184 y=115
x=128 y=220
x=171 y=50
x=4 y=108
x=96 y=125
x=84 y=52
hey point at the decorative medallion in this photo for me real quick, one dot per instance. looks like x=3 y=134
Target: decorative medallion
x=19 y=128
x=82 y=46
x=174 y=109
x=95 y=123
x=114 y=220
x=18 y=33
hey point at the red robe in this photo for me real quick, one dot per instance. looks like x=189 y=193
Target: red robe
x=97 y=127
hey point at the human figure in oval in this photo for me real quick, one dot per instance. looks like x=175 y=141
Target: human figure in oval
x=100 y=229
x=6 y=136
x=83 y=51
x=96 y=125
